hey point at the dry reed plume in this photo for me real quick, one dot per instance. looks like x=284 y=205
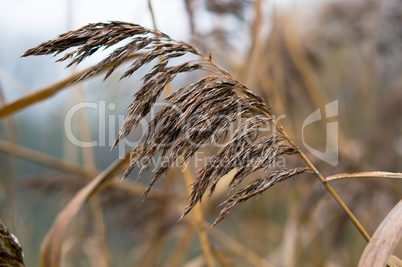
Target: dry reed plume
x=197 y=114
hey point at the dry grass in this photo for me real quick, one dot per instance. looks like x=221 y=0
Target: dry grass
x=197 y=116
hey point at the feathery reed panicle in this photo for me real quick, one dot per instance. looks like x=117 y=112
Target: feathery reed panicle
x=196 y=115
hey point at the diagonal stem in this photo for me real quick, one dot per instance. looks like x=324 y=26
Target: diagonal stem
x=307 y=161
x=198 y=221
x=323 y=181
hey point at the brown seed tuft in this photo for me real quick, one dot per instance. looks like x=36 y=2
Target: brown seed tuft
x=196 y=115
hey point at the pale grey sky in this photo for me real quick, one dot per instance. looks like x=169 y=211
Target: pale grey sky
x=26 y=23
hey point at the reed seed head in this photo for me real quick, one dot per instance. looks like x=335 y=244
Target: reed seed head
x=196 y=115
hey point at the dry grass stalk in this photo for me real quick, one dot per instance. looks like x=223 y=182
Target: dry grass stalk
x=184 y=123
x=198 y=221
x=364 y=175
x=326 y=185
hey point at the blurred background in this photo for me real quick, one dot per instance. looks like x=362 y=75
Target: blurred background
x=298 y=55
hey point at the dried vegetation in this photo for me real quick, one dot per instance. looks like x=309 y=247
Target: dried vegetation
x=218 y=108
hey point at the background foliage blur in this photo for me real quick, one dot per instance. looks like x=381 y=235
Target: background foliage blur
x=298 y=56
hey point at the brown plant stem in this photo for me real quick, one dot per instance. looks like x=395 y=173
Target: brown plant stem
x=323 y=181
x=359 y=175
x=199 y=222
x=309 y=164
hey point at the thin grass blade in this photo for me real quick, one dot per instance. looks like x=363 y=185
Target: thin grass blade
x=390 y=175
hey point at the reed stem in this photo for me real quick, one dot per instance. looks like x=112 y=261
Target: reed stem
x=309 y=164
x=323 y=181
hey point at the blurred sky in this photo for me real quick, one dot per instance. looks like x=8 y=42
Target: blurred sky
x=25 y=23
